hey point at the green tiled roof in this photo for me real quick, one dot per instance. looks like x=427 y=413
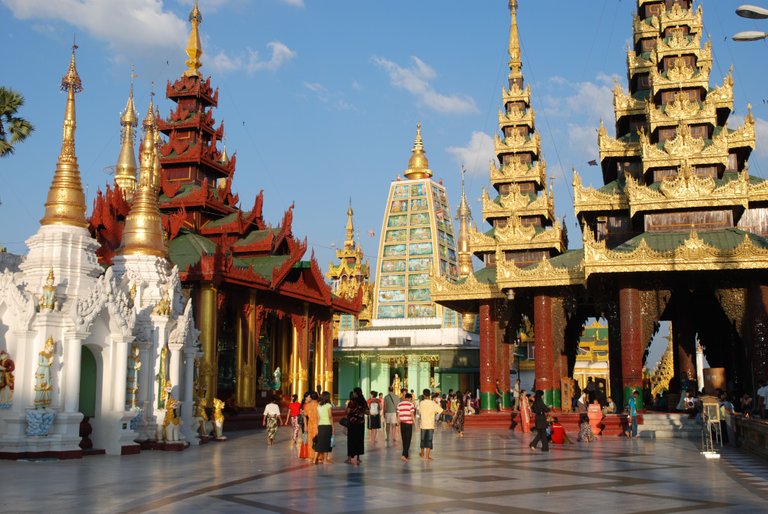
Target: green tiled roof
x=254 y=237
x=183 y=191
x=612 y=187
x=568 y=259
x=724 y=239
x=224 y=220
x=186 y=249
x=486 y=275
x=263 y=265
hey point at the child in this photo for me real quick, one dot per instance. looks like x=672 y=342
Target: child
x=585 y=431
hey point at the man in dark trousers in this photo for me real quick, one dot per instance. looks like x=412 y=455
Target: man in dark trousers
x=540 y=410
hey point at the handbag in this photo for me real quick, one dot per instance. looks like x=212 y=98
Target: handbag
x=344 y=422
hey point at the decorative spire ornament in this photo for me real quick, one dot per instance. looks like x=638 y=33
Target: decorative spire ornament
x=194 y=47
x=515 y=60
x=418 y=165
x=125 y=170
x=66 y=201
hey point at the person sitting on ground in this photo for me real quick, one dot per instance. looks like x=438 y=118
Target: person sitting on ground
x=558 y=434
x=585 y=431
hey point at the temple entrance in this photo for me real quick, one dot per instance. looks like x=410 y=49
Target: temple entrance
x=88 y=379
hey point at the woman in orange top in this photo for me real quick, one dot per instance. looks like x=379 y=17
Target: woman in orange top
x=310 y=412
x=525 y=412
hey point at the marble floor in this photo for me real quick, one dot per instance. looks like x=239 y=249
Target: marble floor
x=482 y=472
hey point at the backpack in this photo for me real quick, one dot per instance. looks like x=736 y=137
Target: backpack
x=374 y=408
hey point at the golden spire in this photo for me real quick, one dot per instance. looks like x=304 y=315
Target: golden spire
x=224 y=159
x=350 y=241
x=418 y=165
x=125 y=171
x=515 y=61
x=143 y=233
x=464 y=215
x=156 y=168
x=194 y=48
x=66 y=202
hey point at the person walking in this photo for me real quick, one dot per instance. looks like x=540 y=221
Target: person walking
x=356 y=410
x=458 y=417
x=390 y=415
x=294 y=409
x=405 y=411
x=428 y=411
x=540 y=410
x=516 y=395
x=525 y=412
x=632 y=415
x=311 y=423
x=323 y=445
x=374 y=416
x=271 y=420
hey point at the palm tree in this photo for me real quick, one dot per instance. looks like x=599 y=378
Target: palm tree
x=12 y=128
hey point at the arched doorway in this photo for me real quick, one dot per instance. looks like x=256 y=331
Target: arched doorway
x=88 y=376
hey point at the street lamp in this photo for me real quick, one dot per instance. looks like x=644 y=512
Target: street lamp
x=756 y=13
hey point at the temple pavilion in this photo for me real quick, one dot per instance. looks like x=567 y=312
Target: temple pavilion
x=677 y=232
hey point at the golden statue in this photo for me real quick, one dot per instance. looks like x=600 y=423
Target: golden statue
x=43 y=385
x=218 y=419
x=171 y=421
x=163 y=307
x=396 y=385
x=204 y=426
x=48 y=298
x=132 y=379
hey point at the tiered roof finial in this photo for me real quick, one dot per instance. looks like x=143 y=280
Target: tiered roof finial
x=515 y=60
x=66 y=201
x=125 y=171
x=143 y=233
x=418 y=165
x=350 y=241
x=194 y=47
x=463 y=250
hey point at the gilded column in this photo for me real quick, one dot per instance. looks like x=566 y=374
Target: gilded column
x=630 y=317
x=208 y=323
x=488 y=330
x=240 y=357
x=284 y=331
x=318 y=357
x=544 y=346
x=502 y=357
x=327 y=335
x=299 y=354
x=255 y=318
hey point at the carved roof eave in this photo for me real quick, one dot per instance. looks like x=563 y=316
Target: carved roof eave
x=516 y=118
x=692 y=255
x=722 y=96
x=543 y=274
x=744 y=136
x=589 y=199
x=687 y=192
x=679 y=16
x=515 y=94
x=681 y=111
x=519 y=205
x=625 y=105
x=471 y=289
x=611 y=147
x=519 y=172
x=758 y=192
x=637 y=64
x=700 y=78
x=645 y=28
x=482 y=243
x=517 y=144
x=673 y=46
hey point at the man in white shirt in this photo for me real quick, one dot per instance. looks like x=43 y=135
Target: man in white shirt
x=428 y=411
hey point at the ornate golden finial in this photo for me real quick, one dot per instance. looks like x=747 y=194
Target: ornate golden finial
x=143 y=233
x=224 y=159
x=66 y=202
x=194 y=48
x=125 y=170
x=464 y=216
x=350 y=241
x=418 y=165
x=515 y=60
x=156 y=168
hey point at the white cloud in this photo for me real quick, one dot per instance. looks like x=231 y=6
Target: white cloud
x=252 y=62
x=206 y=6
x=101 y=19
x=334 y=99
x=593 y=100
x=416 y=80
x=476 y=156
x=295 y=3
x=761 y=133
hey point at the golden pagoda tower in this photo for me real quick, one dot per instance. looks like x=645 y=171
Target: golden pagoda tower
x=351 y=273
x=143 y=233
x=66 y=200
x=125 y=170
x=194 y=47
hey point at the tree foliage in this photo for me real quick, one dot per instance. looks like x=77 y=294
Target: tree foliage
x=13 y=129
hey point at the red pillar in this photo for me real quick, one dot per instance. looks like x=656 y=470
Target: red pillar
x=631 y=343
x=502 y=370
x=488 y=331
x=544 y=347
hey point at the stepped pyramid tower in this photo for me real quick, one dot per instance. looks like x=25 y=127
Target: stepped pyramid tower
x=677 y=231
x=523 y=233
x=347 y=277
x=410 y=340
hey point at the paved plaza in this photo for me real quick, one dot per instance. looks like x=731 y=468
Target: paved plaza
x=483 y=472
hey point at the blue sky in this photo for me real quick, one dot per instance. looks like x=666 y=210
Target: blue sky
x=321 y=98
